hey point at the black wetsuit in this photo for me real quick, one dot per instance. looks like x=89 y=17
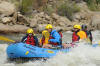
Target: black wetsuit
x=89 y=34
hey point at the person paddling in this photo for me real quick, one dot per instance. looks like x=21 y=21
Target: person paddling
x=54 y=38
x=30 y=38
x=88 y=33
x=45 y=38
x=78 y=34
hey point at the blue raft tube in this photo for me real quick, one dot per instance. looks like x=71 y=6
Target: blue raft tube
x=22 y=50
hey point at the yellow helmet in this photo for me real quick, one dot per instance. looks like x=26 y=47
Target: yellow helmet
x=30 y=30
x=49 y=26
x=45 y=33
x=77 y=26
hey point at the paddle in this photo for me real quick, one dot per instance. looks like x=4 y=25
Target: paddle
x=99 y=43
x=6 y=39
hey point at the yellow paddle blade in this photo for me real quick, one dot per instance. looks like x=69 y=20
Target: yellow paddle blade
x=6 y=39
x=99 y=42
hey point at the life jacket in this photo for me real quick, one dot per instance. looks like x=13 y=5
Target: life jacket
x=82 y=34
x=30 y=40
x=44 y=40
x=78 y=35
x=75 y=37
x=61 y=35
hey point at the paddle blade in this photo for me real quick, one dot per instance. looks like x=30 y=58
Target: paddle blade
x=6 y=39
x=99 y=42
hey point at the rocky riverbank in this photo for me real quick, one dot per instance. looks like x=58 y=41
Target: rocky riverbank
x=12 y=21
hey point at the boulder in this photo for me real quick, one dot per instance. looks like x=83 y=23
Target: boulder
x=7 y=8
x=41 y=27
x=59 y=20
x=22 y=19
x=96 y=21
x=6 y=20
x=13 y=29
x=33 y=23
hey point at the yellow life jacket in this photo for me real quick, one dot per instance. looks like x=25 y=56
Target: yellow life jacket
x=44 y=41
x=82 y=35
x=45 y=37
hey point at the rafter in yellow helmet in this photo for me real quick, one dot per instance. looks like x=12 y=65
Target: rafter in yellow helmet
x=77 y=26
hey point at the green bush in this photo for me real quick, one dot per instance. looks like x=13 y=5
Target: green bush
x=48 y=9
x=67 y=9
x=93 y=5
x=26 y=6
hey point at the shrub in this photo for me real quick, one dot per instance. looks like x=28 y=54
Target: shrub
x=93 y=5
x=26 y=6
x=67 y=9
x=48 y=9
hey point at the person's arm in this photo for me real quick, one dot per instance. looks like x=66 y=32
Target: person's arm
x=56 y=37
x=24 y=39
x=36 y=41
x=90 y=36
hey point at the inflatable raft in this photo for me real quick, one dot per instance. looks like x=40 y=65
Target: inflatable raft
x=22 y=50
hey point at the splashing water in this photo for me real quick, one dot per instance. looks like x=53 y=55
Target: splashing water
x=83 y=55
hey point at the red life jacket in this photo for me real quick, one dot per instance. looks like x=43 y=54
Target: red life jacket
x=75 y=37
x=30 y=40
x=61 y=35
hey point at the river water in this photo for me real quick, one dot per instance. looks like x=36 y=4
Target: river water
x=83 y=55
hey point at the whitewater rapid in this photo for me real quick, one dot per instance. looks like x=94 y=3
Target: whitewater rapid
x=84 y=55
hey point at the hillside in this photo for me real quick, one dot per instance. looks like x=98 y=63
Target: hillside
x=18 y=15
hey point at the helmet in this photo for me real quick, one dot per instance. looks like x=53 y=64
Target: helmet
x=44 y=32
x=77 y=26
x=49 y=26
x=30 y=30
x=84 y=27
